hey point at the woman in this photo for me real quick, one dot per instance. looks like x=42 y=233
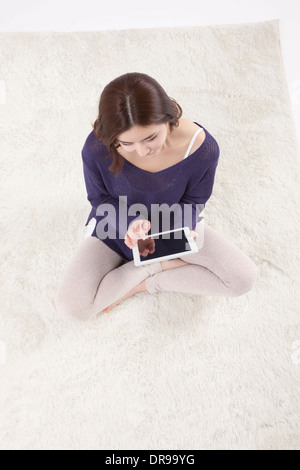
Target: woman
x=142 y=152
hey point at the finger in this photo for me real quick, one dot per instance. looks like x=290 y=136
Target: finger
x=143 y=228
x=133 y=230
x=129 y=242
x=149 y=245
x=131 y=233
x=133 y=242
x=141 y=235
x=146 y=226
x=137 y=230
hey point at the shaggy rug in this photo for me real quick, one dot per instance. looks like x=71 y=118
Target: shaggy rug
x=168 y=371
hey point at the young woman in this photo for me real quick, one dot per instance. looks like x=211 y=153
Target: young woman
x=142 y=152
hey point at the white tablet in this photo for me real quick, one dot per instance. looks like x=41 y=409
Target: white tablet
x=165 y=245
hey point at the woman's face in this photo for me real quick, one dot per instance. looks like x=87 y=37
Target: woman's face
x=146 y=141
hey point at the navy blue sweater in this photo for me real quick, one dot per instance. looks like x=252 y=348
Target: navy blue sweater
x=137 y=194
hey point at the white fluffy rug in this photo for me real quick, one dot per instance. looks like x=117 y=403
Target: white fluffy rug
x=168 y=371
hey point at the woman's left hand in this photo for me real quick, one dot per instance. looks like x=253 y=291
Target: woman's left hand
x=194 y=234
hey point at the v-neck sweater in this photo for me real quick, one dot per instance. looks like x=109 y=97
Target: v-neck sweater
x=116 y=201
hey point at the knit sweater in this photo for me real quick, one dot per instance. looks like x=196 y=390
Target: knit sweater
x=170 y=198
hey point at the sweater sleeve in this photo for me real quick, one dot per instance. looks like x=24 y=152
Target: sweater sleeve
x=189 y=208
x=110 y=214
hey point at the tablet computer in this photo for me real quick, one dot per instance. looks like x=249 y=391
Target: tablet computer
x=164 y=245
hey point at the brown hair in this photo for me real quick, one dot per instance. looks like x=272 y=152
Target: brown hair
x=132 y=99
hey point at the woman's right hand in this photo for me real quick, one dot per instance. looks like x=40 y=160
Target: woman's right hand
x=137 y=231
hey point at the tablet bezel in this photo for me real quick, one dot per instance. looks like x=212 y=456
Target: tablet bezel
x=190 y=239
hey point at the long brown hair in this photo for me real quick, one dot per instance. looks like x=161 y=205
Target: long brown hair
x=132 y=99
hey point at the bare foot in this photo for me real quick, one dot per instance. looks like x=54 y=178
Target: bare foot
x=139 y=288
x=173 y=263
x=165 y=265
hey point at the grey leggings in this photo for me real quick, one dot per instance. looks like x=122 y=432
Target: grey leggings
x=97 y=276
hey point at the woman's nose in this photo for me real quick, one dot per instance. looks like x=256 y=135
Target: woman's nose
x=142 y=151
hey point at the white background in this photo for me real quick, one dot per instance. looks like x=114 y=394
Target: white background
x=96 y=15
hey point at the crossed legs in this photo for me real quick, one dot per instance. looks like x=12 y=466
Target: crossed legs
x=97 y=278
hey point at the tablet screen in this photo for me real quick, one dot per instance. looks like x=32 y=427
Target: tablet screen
x=168 y=246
